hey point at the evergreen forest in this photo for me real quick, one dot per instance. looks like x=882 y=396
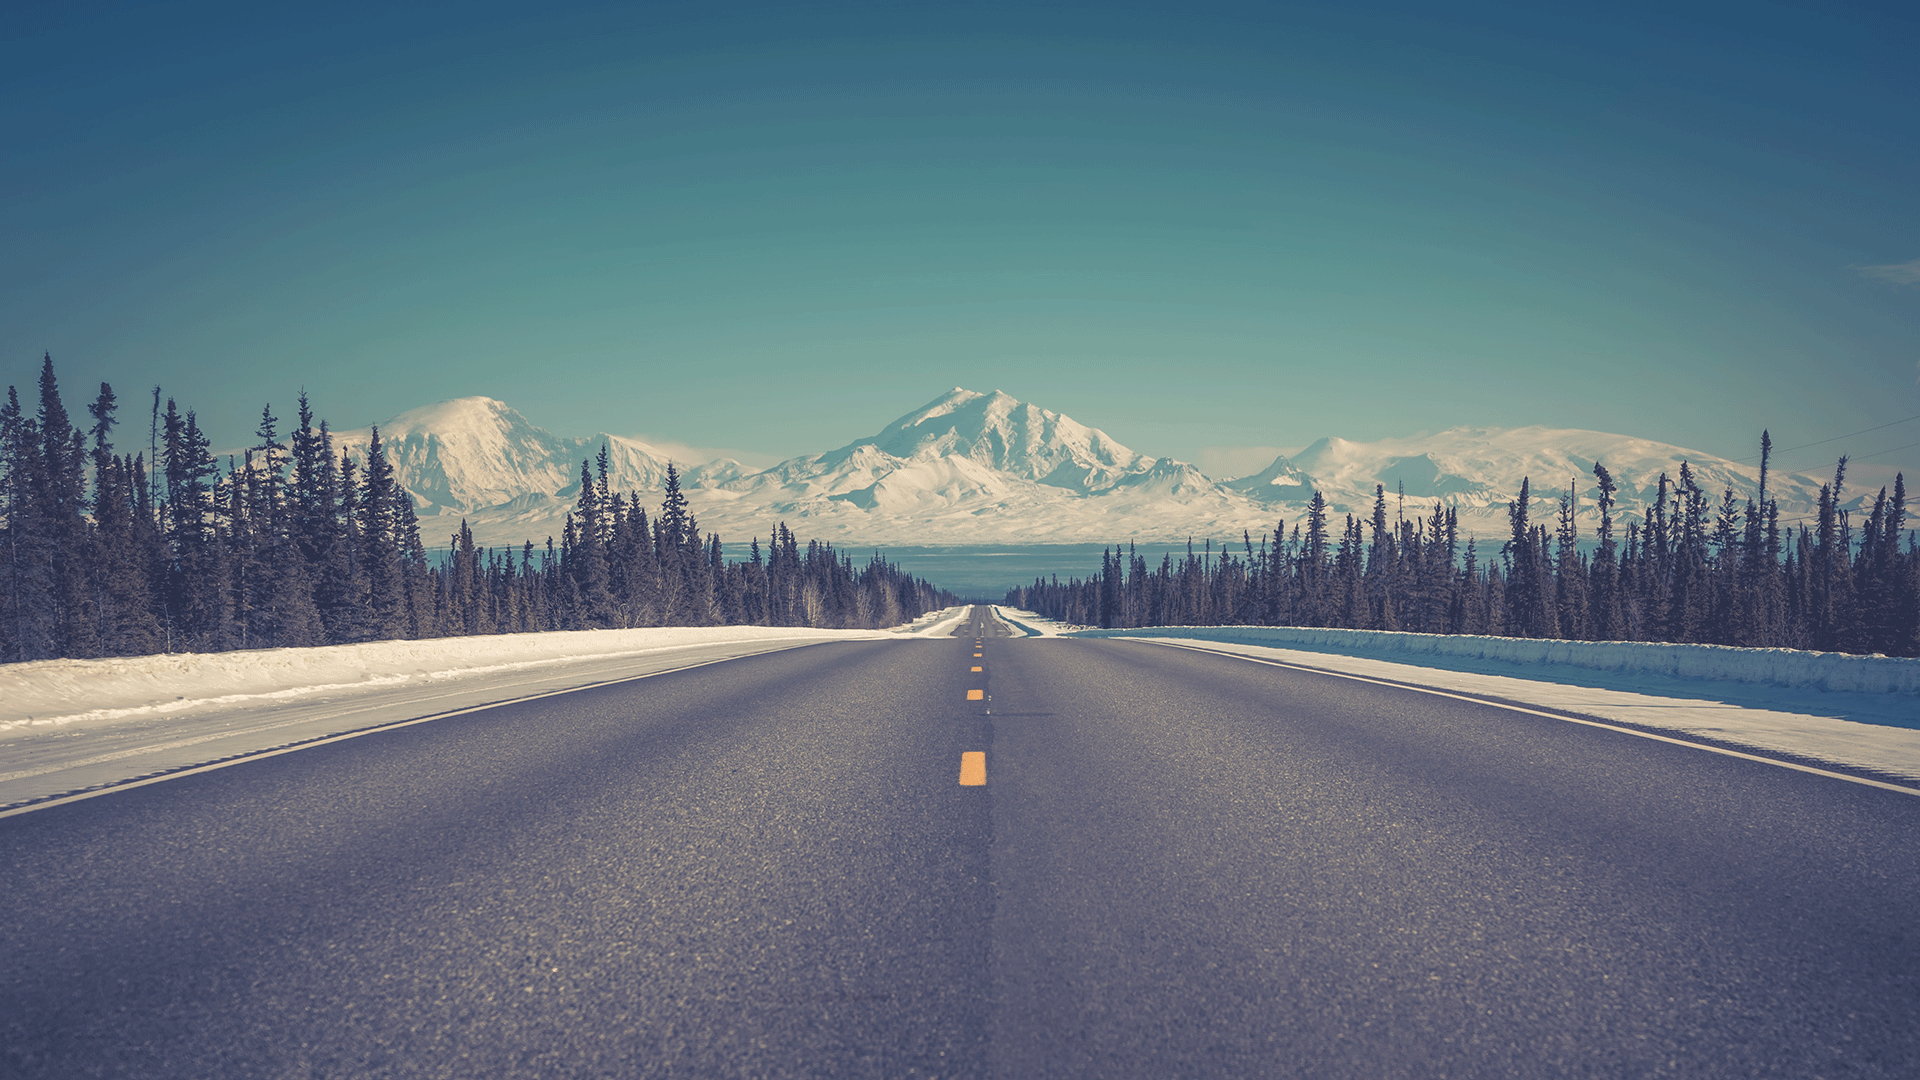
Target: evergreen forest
x=109 y=553
x=1691 y=568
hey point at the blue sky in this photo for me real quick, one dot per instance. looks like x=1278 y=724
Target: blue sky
x=773 y=229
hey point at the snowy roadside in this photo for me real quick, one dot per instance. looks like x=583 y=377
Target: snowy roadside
x=1034 y=625
x=1846 y=728
x=935 y=624
x=75 y=725
x=1772 y=701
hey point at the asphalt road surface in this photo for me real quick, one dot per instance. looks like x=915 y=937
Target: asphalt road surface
x=1179 y=865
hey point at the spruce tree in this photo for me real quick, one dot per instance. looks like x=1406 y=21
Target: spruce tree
x=1570 y=572
x=387 y=601
x=1828 y=570
x=29 y=622
x=1526 y=593
x=118 y=566
x=1607 y=620
x=199 y=600
x=587 y=563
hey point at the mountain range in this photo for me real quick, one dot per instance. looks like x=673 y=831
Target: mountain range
x=984 y=469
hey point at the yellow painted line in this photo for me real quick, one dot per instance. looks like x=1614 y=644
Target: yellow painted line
x=976 y=668
x=973 y=768
x=976 y=695
x=976 y=654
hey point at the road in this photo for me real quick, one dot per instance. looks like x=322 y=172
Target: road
x=1179 y=865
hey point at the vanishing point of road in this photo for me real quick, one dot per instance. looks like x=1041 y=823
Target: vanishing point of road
x=986 y=856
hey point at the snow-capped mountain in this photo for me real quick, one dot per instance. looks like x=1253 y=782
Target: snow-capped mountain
x=1478 y=470
x=978 y=468
x=477 y=457
x=1281 y=481
x=999 y=433
x=973 y=468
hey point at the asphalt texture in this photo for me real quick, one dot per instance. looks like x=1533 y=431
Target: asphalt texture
x=1181 y=865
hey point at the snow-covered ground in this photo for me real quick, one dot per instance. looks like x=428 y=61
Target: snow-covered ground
x=1852 y=711
x=936 y=624
x=76 y=725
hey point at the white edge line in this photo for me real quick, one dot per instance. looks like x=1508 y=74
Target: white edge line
x=1535 y=712
x=243 y=758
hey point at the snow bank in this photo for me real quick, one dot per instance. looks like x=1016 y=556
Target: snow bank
x=1035 y=625
x=935 y=624
x=65 y=692
x=1789 y=668
x=1820 y=727
x=1861 y=712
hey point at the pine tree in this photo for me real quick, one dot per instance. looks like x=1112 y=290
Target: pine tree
x=587 y=563
x=117 y=563
x=1828 y=570
x=199 y=600
x=283 y=610
x=1691 y=593
x=1528 y=601
x=379 y=546
x=1570 y=572
x=64 y=501
x=28 y=621
x=1760 y=584
x=1899 y=582
x=1726 y=622
x=1608 y=622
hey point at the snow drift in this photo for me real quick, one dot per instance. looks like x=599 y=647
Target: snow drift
x=1788 y=668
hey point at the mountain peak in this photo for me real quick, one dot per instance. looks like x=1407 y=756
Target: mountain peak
x=957 y=398
x=1000 y=432
x=454 y=414
x=467 y=454
x=1280 y=480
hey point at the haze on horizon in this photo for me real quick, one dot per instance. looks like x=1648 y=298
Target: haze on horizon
x=765 y=231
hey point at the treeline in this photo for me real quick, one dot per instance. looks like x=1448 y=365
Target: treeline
x=1691 y=568
x=107 y=553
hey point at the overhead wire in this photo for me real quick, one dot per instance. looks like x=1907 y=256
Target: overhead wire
x=1822 y=442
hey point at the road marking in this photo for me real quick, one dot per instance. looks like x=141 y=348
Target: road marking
x=976 y=654
x=973 y=768
x=976 y=695
x=976 y=668
x=1557 y=716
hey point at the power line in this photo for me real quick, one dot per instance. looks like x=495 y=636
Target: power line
x=1883 y=453
x=1836 y=438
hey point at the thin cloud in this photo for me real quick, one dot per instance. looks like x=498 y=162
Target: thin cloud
x=683 y=454
x=1906 y=273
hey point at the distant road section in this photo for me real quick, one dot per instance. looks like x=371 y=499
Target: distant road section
x=985 y=855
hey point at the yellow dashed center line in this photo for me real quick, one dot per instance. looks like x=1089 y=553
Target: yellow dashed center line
x=973 y=768
x=976 y=669
x=976 y=695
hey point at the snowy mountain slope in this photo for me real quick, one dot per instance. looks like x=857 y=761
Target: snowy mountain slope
x=1010 y=436
x=973 y=468
x=1280 y=481
x=464 y=455
x=1479 y=470
x=983 y=468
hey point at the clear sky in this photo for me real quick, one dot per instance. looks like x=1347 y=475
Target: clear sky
x=773 y=229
